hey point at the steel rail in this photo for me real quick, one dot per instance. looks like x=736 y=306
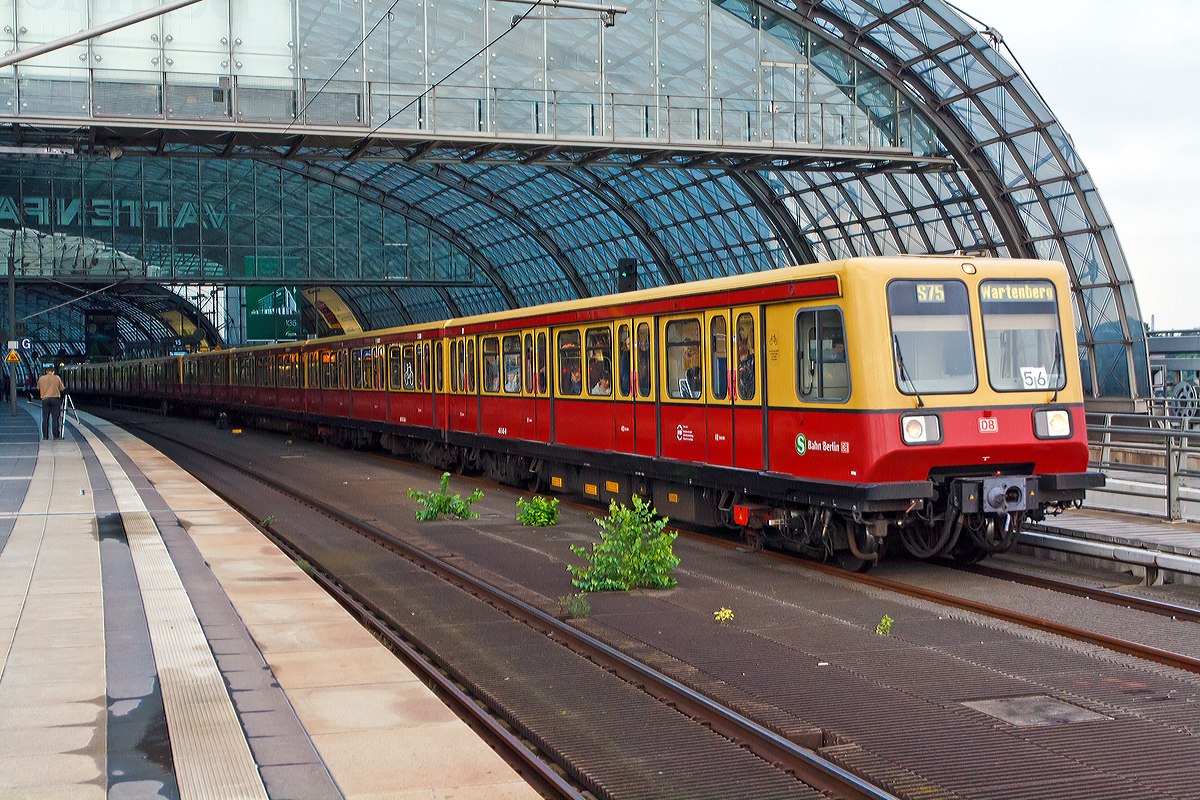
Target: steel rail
x=805 y=764
x=1087 y=592
x=1157 y=655
x=372 y=618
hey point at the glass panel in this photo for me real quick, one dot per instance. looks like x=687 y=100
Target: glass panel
x=512 y=364
x=541 y=356
x=529 y=363
x=1021 y=336
x=683 y=359
x=599 y=349
x=624 y=363
x=720 y=359
x=746 y=382
x=440 y=367
x=470 y=365
x=643 y=359
x=932 y=345
x=570 y=373
x=453 y=366
x=491 y=364
x=821 y=352
x=409 y=377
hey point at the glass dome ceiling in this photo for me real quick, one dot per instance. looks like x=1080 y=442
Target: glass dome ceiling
x=458 y=162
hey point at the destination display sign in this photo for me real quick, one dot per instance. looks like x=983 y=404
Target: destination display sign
x=1027 y=291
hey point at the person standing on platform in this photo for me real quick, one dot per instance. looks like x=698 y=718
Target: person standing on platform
x=50 y=389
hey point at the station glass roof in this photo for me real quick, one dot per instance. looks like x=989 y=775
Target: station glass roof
x=434 y=158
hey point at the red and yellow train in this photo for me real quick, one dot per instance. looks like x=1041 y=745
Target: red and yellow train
x=829 y=409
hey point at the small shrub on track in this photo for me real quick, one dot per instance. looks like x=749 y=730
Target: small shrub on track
x=538 y=512
x=633 y=552
x=438 y=503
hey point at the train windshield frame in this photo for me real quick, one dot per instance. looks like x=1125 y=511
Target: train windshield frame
x=933 y=349
x=1022 y=335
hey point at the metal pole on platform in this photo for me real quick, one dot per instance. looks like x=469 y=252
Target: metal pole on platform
x=12 y=321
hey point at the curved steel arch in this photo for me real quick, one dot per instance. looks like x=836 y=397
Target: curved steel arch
x=953 y=76
x=601 y=190
x=360 y=189
x=518 y=218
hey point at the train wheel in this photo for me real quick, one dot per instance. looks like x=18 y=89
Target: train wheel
x=850 y=562
x=967 y=552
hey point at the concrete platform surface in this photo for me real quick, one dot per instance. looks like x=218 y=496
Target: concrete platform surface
x=153 y=643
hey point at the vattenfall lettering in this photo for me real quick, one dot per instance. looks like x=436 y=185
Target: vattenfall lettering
x=104 y=212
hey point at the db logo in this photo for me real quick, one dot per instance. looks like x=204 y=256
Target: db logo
x=988 y=425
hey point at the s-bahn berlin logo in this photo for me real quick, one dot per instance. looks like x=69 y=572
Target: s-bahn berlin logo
x=801 y=444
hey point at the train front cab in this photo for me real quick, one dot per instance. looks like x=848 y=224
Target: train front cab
x=941 y=377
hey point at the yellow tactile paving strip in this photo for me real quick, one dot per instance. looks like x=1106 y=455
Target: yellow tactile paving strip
x=211 y=755
x=52 y=675
x=379 y=730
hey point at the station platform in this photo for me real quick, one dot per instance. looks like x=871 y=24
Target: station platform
x=153 y=643
x=1149 y=545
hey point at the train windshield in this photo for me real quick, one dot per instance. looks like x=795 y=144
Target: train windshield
x=932 y=351
x=1021 y=336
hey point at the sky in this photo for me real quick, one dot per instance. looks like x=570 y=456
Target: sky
x=1116 y=75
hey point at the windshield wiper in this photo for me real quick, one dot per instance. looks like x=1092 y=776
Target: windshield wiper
x=1058 y=359
x=904 y=372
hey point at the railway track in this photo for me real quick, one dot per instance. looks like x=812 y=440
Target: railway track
x=1137 y=649
x=792 y=762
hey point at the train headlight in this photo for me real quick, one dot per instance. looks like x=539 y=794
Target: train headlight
x=923 y=429
x=1054 y=423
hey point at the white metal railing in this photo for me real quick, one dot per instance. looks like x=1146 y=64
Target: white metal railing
x=553 y=114
x=1162 y=451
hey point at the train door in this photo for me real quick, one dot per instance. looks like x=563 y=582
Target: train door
x=441 y=406
x=625 y=389
x=746 y=389
x=719 y=419
x=598 y=361
x=682 y=415
x=544 y=404
x=528 y=429
x=644 y=378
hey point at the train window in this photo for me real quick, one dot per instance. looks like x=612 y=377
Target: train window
x=409 y=374
x=683 y=359
x=1021 y=336
x=471 y=372
x=326 y=368
x=393 y=359
x=356 y=357
x=420 y=367
x=719 y=379
x=746 y=379
x=491 y=364
x=440 y=368
x=529 y=371
x=512 y=364
x=541 y=361
x=570 y=371
x=821 y=355
x=343 y=361
x=624 y=362
x=599 y=355
x=643 y=359
x=453 y=365
x=247 y=371
x=932 y=348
